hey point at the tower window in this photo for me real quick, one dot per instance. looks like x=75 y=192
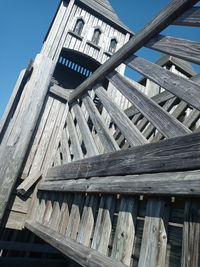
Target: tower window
x=96 y=36
x=79 y=26
x=113 y=46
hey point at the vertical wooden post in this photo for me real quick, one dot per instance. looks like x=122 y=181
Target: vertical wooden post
x=13 y=150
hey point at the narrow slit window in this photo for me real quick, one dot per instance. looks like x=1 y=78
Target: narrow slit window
x=79 y=26
x=113 y=46
x=96 y=36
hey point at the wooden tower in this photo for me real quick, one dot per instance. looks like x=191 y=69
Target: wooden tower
x=103 y=168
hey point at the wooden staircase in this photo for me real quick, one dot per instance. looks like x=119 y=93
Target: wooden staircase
x=121 y=187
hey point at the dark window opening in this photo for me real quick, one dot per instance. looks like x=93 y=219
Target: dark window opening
x=96 y=36
x=113 y=46
x=79 y=26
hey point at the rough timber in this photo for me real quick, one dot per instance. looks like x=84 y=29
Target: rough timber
x=103 y=168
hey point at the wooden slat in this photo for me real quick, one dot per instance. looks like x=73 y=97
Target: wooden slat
x=87 y=220
x=103 y=226
x=103 y=132
x=154 y=239
x=28 y=183
x=64 y=146
x=163 y=121
x=191 y=235
x=180 y=48
x=76 y=146
x=125 y=230
x=181 y=87
x=191 y=17
x=85 y=132
x=168 y=183
x=163 y=156
x=79 y=253
x=161 y=21
x=128 y=129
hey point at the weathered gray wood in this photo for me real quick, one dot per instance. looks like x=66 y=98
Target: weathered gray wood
x=159 y=99
x=125 y=230
x=103 y=226
x=42 y=71
x=191 y=17
x=180 y=48
x=79 y=253
x=184 y=89
x=191 y=235
x=85 y=132
x=28 y=183
x=164 y=122
x=64 y=146
x=76 y=146
x=154 y=239
x=164 y=156
x=192 y=118
x=103 y=132
x=128 y=129
x=75 y=216
x=60 y=92
x=168 y=183
x=161 y=21
x=87 y=220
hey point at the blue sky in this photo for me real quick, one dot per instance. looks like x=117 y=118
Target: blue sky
x=23 y=25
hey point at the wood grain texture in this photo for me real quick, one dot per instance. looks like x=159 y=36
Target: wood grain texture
x=175 y=154
x=163 y=121
x=191 y=17
x=103 y=132
x=154 y=239
x=79 y=253
x=28 y=183
x=180 y=48
x=128 y=129
x=168 y=183
x=191 y=234
x=184 y=89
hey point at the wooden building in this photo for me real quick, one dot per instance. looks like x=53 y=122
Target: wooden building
x=98 y=169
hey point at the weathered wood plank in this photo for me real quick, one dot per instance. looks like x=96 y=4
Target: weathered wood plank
x=161 y=21
x=125 y=230
x=191 y=17
x=10 y=170
x=103 y=132
x=60 y=92
x=85 y=132
x=191 y=235
x=154 y=239
x=87 y=220
x=164 y=156
x=103 y=226
x=79 y=253
x=128 y=129
x=163 y=121
x=180 y=48
x=168 y=183
x=181 y=87
x=28 y=183
x=76 y=146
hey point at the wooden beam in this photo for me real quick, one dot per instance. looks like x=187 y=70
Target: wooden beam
x=181 y=48
x=161 y=119
x=191 y=17
x=161 y=21
x=168 y=183
x=175 y=154
x=181 y=87
x=13 y=153
x=82 y=255
x=28 y=183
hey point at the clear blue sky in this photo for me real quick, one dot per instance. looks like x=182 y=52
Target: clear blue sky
x=23 y=25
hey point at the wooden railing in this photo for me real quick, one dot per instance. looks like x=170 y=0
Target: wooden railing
x=105 y=205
